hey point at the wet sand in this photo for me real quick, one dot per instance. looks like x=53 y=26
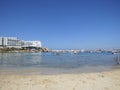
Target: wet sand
x=107 y=80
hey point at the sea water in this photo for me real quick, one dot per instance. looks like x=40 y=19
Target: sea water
x=52 y=63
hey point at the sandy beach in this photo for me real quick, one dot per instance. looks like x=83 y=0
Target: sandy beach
x=108 y=80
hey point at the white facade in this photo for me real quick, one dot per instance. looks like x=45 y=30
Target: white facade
x=0 y=41
x=17 y=43
x=10 y=42
x=32 y=44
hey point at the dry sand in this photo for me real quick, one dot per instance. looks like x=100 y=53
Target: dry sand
x=109 y=80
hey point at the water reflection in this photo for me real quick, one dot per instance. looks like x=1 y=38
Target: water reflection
x=19 y=59
x=69 y=60
x=50 y=63
x=62 y=60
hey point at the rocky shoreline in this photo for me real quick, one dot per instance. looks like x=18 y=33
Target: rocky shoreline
x=2 y=50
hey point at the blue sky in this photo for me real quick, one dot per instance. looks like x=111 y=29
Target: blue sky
x=63 y=24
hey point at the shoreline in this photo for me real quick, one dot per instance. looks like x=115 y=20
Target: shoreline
x=107 y=80
x=55 y=71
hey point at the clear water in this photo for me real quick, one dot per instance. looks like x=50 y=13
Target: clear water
x=44 y=63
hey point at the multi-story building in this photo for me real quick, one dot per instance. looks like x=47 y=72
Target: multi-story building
x=10 y=42
x=31 y=44
x=17 y=43
x=1 y=41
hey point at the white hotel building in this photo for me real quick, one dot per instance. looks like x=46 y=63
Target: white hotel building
x=17 y=43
